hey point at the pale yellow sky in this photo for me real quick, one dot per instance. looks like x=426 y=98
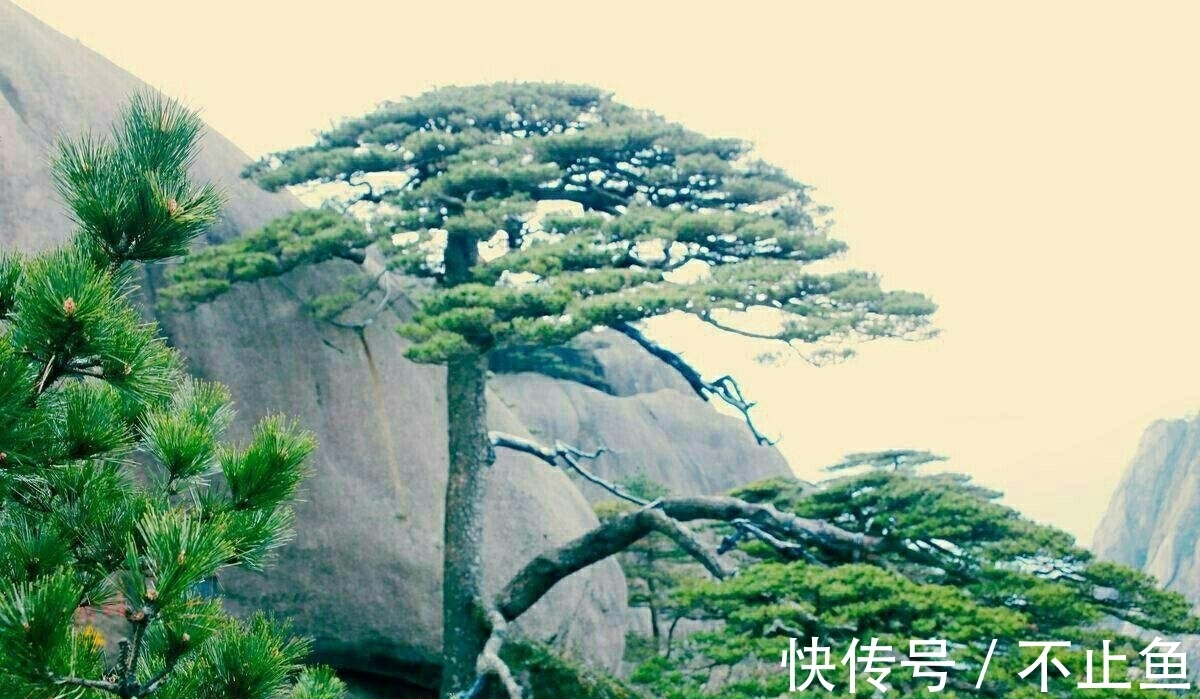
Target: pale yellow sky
x=1030 y=165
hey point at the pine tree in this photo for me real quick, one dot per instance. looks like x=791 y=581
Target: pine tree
x=669 y=221
x=974 y=572
x=119 y=499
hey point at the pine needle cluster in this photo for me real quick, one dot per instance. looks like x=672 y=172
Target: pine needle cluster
x=120 y=499
x=453 y=186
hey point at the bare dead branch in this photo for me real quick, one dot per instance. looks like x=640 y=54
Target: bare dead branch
x=746 y=528
x=615 y=489
x=686 y=540
x=726 y=388
x=707 y=318
x=526 y=446
x=566 y=454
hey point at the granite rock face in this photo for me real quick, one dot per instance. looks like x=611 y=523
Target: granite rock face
x=1153 y=520
x=363 y=576
x=51 y=85
x=655 y=426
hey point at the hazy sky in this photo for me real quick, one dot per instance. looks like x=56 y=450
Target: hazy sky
x=1032 y=166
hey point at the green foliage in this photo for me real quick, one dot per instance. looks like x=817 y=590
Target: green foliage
x=655 y=568
x=183 y=436
x=567 y=363
x=988 y=574
x=132 y=195
x=248 y=660
x=894 y=459
x=548 y=675
x=282 y=245
x=452 y=184
x=318 y=683
x=35 y=624
x=116 y=490
x=269 y=470
x=674 y=222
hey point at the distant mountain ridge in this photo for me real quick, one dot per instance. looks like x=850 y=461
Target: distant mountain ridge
x=1153 y=520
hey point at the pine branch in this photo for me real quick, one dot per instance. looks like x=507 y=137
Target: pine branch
x=489 y=663
x=140 y=620
x=99 y=685
x=381 y=281
x=154 y=683
x=726 y=388
x=48 y=375
x=664 y=516
x=570 y=456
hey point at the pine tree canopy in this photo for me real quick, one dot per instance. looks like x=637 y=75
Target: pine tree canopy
x=894 y=459
x=119 y=499
x=964 y=569
x=466 y=187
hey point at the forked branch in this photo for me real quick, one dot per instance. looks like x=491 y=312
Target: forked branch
x=726 y=388
x=490 y=665
x=566 y=454
x=665 y=516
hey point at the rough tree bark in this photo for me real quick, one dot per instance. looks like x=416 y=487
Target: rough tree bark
x=464 y=626
x=665 y=516
x=786 y=531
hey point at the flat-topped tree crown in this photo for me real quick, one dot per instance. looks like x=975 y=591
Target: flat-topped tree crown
x=535 y=212
x=888 y=459
x=663 y=219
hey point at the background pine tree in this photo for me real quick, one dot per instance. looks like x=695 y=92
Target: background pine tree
x=980 y=572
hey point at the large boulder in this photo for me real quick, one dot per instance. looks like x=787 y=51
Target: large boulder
x=1153 y=520
x=364 y=574
x=647 y=417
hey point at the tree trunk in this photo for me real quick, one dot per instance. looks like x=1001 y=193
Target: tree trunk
x=464 y=628
x=652 y=603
